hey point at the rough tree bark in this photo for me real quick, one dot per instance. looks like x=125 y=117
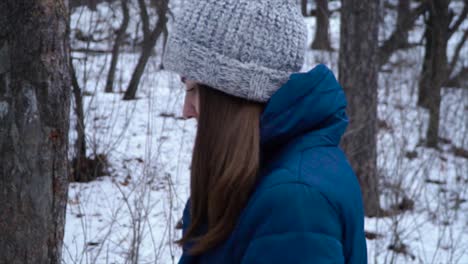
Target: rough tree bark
x=358 y=73
x=120 y=36
x=34 y=123
x=322 y=37
x=149 y=41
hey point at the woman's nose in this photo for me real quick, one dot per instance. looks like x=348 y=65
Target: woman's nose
x=189 y=110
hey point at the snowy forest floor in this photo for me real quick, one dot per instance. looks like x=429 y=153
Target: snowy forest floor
x=129 y=215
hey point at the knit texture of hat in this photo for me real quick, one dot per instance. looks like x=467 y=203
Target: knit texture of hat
x=245 y=48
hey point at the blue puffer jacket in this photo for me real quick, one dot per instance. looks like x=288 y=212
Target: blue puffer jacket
x=307 y=207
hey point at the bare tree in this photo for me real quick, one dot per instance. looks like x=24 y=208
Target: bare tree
x=436 y=68
x=398 y=39
x=80 y=162
x=34 y=123
x=150 y=37
x=322 y=37
x=358 y=73
x=120 y=36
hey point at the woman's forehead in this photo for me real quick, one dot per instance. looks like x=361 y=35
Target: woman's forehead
x=189 y=84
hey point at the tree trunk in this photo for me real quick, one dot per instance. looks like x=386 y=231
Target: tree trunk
x=34 y=123
x=304 y=7
x=322 y=38
x=80 y=158
x=358 y=73
x=116 y=49
x=166 y=37
x=403 y=12
x=435 y=65
x=150 y=39
x=80 y=144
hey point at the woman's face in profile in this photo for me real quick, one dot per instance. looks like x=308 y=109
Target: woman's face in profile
x=191 y=102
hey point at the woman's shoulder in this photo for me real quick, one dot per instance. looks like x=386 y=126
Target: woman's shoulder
x=291 y=205
x=320 y=175
x=324 y=169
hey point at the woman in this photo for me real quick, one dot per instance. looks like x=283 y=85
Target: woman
x=268 y=181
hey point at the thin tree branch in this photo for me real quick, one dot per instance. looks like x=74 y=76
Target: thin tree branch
x=459 y=20
x=458 y=49
x=458 y=79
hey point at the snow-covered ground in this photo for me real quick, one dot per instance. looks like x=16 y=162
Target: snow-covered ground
x=130 y=215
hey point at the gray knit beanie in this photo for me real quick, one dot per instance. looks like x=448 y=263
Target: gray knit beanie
x=245 y=48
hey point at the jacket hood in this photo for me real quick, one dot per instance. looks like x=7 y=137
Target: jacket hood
x=307 y=111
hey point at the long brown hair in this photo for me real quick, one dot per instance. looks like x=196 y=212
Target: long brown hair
x=225 y=164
